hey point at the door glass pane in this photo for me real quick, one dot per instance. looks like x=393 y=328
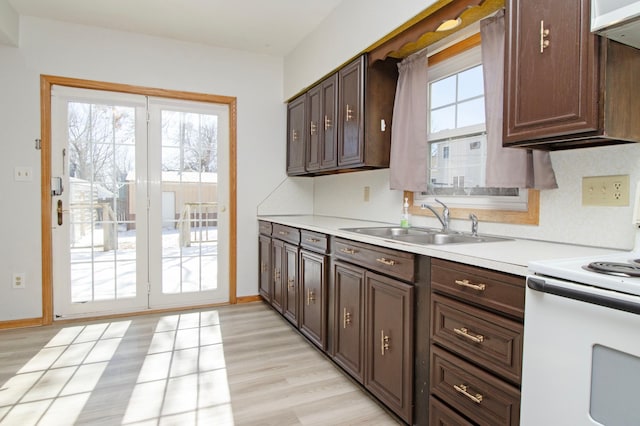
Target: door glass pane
x=101 y=161
x=189 y=202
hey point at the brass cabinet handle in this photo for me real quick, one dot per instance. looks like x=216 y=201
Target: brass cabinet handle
x=464 y=332
x=292 y=282
x=384 y=343
x=346 y=318
x=544 y=33
x=348 y=251
x=327 y=123
x=388 y=262
x=477 y=398
x=276 y=275
x=312 y=240
x=349 y=115
x=59 y=211
x=314 y=128
x=311 y=297
x=294 y=135
x=466 y=283
x=283 y=233
x=263 y=267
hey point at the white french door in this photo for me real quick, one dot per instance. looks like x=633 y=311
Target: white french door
x=140 y=221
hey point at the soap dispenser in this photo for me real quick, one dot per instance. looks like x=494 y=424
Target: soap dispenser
x=404 y=221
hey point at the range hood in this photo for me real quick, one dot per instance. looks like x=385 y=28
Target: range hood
x=618 y=20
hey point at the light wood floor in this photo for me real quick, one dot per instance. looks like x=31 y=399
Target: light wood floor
x=234 y=365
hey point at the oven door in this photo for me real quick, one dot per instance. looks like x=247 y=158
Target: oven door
x=581 y=355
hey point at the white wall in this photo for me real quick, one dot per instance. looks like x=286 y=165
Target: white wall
x=353 y=26
x=48 y=47
x=562 y=216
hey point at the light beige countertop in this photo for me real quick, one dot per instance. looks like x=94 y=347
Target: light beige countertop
x=510 y=256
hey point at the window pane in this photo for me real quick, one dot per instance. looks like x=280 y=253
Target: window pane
x=443 y=119
x=443 y=92
x=470 y=83
x=471 y=112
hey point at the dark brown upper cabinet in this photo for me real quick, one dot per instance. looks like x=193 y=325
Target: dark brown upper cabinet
x=565 y=87
x=348 y=118
x=296 y=135
x=323 y=131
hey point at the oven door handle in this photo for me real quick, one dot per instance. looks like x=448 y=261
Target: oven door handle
x=541 y=285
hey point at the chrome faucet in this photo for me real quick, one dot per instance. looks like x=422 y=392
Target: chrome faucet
x=444 y=218
x=474 y=224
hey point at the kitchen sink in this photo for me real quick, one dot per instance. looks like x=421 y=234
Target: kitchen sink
x=426 y=236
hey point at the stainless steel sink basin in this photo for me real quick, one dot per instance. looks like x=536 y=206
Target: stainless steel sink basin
x=425 y=236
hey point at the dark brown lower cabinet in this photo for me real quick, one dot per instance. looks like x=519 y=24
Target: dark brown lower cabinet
x=291 y=284
x=348 y=330
x=441 y=415
x=264 y=251
x=389 y=342
x=277 y=256
x=313 y=290
x=481 y=396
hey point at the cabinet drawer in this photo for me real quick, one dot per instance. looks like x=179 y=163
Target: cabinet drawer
x=390 y=262
x=478 y=395
x=441 y=415
x=264 y=227
x=495 y=290
x=286 y=233
x=314 y=241
x=481 y=337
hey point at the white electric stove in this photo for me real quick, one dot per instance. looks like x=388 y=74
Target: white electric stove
x=581 y=354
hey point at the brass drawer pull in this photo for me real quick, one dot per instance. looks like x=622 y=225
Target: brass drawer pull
x=349 y=115
x=292 y=282
x=283 y=233
x=312 y=240
x=348 y=251
x=311 y=297
x=388 y=262
x=477 y=398
x=384 y=343
x=464 y=332
x=346 y=318
x=544 y=33
x=276 y=275
x=327 y=122
x=466 y=283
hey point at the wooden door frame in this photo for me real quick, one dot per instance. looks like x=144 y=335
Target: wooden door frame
x=46 y=83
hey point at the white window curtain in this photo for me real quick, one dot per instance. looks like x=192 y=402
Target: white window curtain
x=409 y=147
x=506 y=167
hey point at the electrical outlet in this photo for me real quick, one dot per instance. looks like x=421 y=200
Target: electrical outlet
x=19 y=280
x=367 y=192
x=23 y=174
x=605 y=190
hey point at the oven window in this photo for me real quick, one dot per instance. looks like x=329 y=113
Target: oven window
x=614 y=379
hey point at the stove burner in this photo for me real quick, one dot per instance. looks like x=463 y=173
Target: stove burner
x=615 y=268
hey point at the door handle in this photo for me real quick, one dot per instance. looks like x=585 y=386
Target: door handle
x=59 y=211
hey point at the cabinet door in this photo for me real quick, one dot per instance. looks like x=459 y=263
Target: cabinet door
x=313 y=312
x=296 y=135
x=327 y=123
x=389 y=343
x=291 y=283
x=550 y=90
x=351 y=113
x=314 y=107
x=348 y=330
x=264 y=252
x=277 y=253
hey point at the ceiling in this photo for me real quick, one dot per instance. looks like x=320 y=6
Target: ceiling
x=271 y=27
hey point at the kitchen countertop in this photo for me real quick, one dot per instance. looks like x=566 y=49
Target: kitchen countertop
x=506 y=256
